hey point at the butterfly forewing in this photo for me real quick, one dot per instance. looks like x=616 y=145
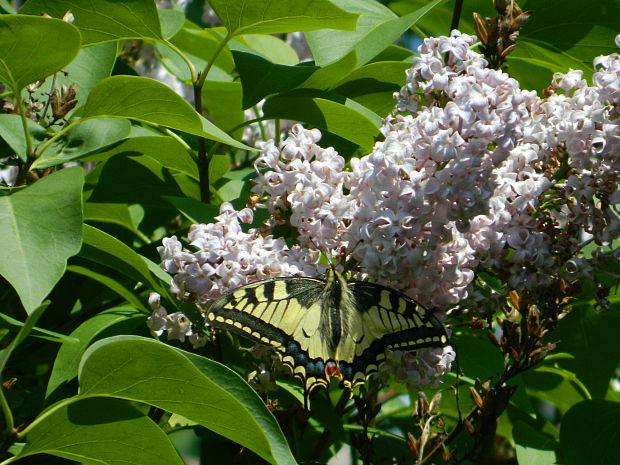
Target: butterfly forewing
x=271 y=310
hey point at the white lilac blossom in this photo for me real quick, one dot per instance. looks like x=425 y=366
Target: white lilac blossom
x=474 y=174
x=177 y=325
x=226 y=257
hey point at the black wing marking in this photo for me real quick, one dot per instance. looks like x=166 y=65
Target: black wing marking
x=283 y=313
x=386 y=319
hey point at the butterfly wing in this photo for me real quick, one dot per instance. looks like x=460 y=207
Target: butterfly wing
x=284 y=313
x=384 y=319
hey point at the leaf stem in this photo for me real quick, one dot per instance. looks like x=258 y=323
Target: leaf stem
x=8 y=415
x=53 y=139
x=10 y=460
x=188 y=62
x=24 y=118
x=203 y=158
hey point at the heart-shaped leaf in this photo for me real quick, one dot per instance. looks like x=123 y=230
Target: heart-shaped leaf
x=41 y=227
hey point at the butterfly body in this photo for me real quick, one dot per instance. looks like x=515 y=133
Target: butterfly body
x=330 y=327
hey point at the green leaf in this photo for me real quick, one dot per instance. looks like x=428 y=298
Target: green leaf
x=148 y=101
x=219 y=165
x=373 y=85
x=573 y=29
x=552 y=388
x=268 y=17
x=115 y=213
x=223 y=99
x=22 y=334
x=12 y=131
x=171 y=22
x=343 y=119
x=271 y=47
x=533 y=64
x=7 y=7
x=112 y=284
x=167 y=151
x=42 y=333
x=32 y=48
x=194 y=210
x=140 y=180
x=100 y=432
x=117 y=320
x=328 y=77
x=41 y=227
x=104 y=249
x=590 y=433
x=438 y=21
x=477 y=357
x=377 y=28
x=261 y=77
x=567 y=375
x=592 y=337
x=199 y=389
x=533 y=447
x=82 y=139
x=199 y=45
x=104 y=20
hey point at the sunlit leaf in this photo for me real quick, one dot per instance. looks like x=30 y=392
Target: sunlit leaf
x=100 y=431
x=194 y=387
x=49 y=45
x=268 y=17
x=104 y=20
x=149 y=101
x=41 y=227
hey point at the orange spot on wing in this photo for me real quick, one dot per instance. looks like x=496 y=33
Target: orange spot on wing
x=332 y=369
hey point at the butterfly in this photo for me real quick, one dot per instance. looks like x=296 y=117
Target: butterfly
x=328 y=327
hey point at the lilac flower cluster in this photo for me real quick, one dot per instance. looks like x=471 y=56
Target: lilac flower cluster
x=226 y=257
x=471 y=174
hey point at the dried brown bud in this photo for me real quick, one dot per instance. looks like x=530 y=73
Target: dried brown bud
x=468 y=426
x=481 y=28
x=9 y=383
x=446 y=454
x=475 y=396
x=476 y=323
x=64 y=101
x=414 y=445
x=422 y=405
x=515 y=299
x=432 y=408
x=514 y=354
x=253 y=200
